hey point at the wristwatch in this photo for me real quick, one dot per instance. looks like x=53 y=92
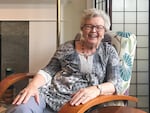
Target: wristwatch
x=100 y=89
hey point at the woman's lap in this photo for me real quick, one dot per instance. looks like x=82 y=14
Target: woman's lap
x=30 y=107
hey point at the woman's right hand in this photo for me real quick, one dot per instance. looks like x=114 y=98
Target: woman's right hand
x=25 y=94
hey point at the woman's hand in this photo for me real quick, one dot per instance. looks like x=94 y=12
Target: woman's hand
x=25 y=94
x=84 y=95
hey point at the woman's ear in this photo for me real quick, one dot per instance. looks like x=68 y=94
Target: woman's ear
x=81 y=35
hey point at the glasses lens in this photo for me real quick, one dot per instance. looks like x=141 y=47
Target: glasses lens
x=99 y=27
x=91 y=27
x=88 y=27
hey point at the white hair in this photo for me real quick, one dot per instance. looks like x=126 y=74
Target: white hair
x=90 y=13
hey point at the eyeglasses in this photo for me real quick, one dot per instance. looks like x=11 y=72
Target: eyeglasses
x=91 y=27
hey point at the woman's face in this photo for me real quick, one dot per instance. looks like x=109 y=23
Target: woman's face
x=93 y=30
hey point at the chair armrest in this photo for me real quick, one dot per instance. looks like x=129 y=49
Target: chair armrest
x=11 y=79
x=98 y=100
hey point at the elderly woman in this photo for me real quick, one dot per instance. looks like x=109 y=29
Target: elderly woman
x=79 y=71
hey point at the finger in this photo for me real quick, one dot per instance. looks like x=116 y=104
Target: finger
x=26 y=98
x=16 y=99
x=21 y=99
x=81 y=100
x=76 y=94
x=37 y=99
x=86 y=99
x=76 y=98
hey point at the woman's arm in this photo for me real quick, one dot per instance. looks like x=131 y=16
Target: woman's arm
x=106 y=88
x=113 y=69
x=43 y=77
x=37 y=81
x=86 y=94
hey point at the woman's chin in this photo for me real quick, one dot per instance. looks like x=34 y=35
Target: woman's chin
x=92 y=43
x=93 y=40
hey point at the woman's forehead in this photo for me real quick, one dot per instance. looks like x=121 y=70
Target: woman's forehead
x=97 y=20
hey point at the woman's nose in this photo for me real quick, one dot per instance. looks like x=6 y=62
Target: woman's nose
x=94 y=29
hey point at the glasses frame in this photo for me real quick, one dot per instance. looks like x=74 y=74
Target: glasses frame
x=91 y=27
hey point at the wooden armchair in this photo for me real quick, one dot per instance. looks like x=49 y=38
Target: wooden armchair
x=126 y=53
x=67 y=108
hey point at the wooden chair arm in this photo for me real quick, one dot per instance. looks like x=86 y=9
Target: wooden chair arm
x=67 y=108
x=11 y=79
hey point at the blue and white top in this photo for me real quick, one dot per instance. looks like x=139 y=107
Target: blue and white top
x=68 y=71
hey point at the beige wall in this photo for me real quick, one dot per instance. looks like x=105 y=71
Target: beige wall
x=42 y=29
x=42 y=25
x=42 y=43
x=71 y=17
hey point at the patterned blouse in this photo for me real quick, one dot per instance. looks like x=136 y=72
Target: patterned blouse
x=67 y=76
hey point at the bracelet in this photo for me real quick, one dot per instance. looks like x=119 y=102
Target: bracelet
x=100 y=89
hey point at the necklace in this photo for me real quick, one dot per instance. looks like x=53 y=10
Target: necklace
x=83 y=50
x=85 y=54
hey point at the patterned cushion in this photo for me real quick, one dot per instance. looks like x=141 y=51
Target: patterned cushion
x=125 y=44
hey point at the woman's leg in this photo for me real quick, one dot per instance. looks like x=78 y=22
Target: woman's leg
x=30 y=107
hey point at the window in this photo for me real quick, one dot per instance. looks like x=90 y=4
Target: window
x=133 y=16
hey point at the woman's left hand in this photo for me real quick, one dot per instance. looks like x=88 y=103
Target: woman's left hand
x=84 y=95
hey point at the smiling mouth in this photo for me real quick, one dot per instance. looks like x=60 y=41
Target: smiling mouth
x=92 y=35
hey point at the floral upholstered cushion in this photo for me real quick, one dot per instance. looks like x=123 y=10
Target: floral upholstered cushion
x=125 y=44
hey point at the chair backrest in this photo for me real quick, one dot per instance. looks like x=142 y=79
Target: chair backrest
x=125 y=44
